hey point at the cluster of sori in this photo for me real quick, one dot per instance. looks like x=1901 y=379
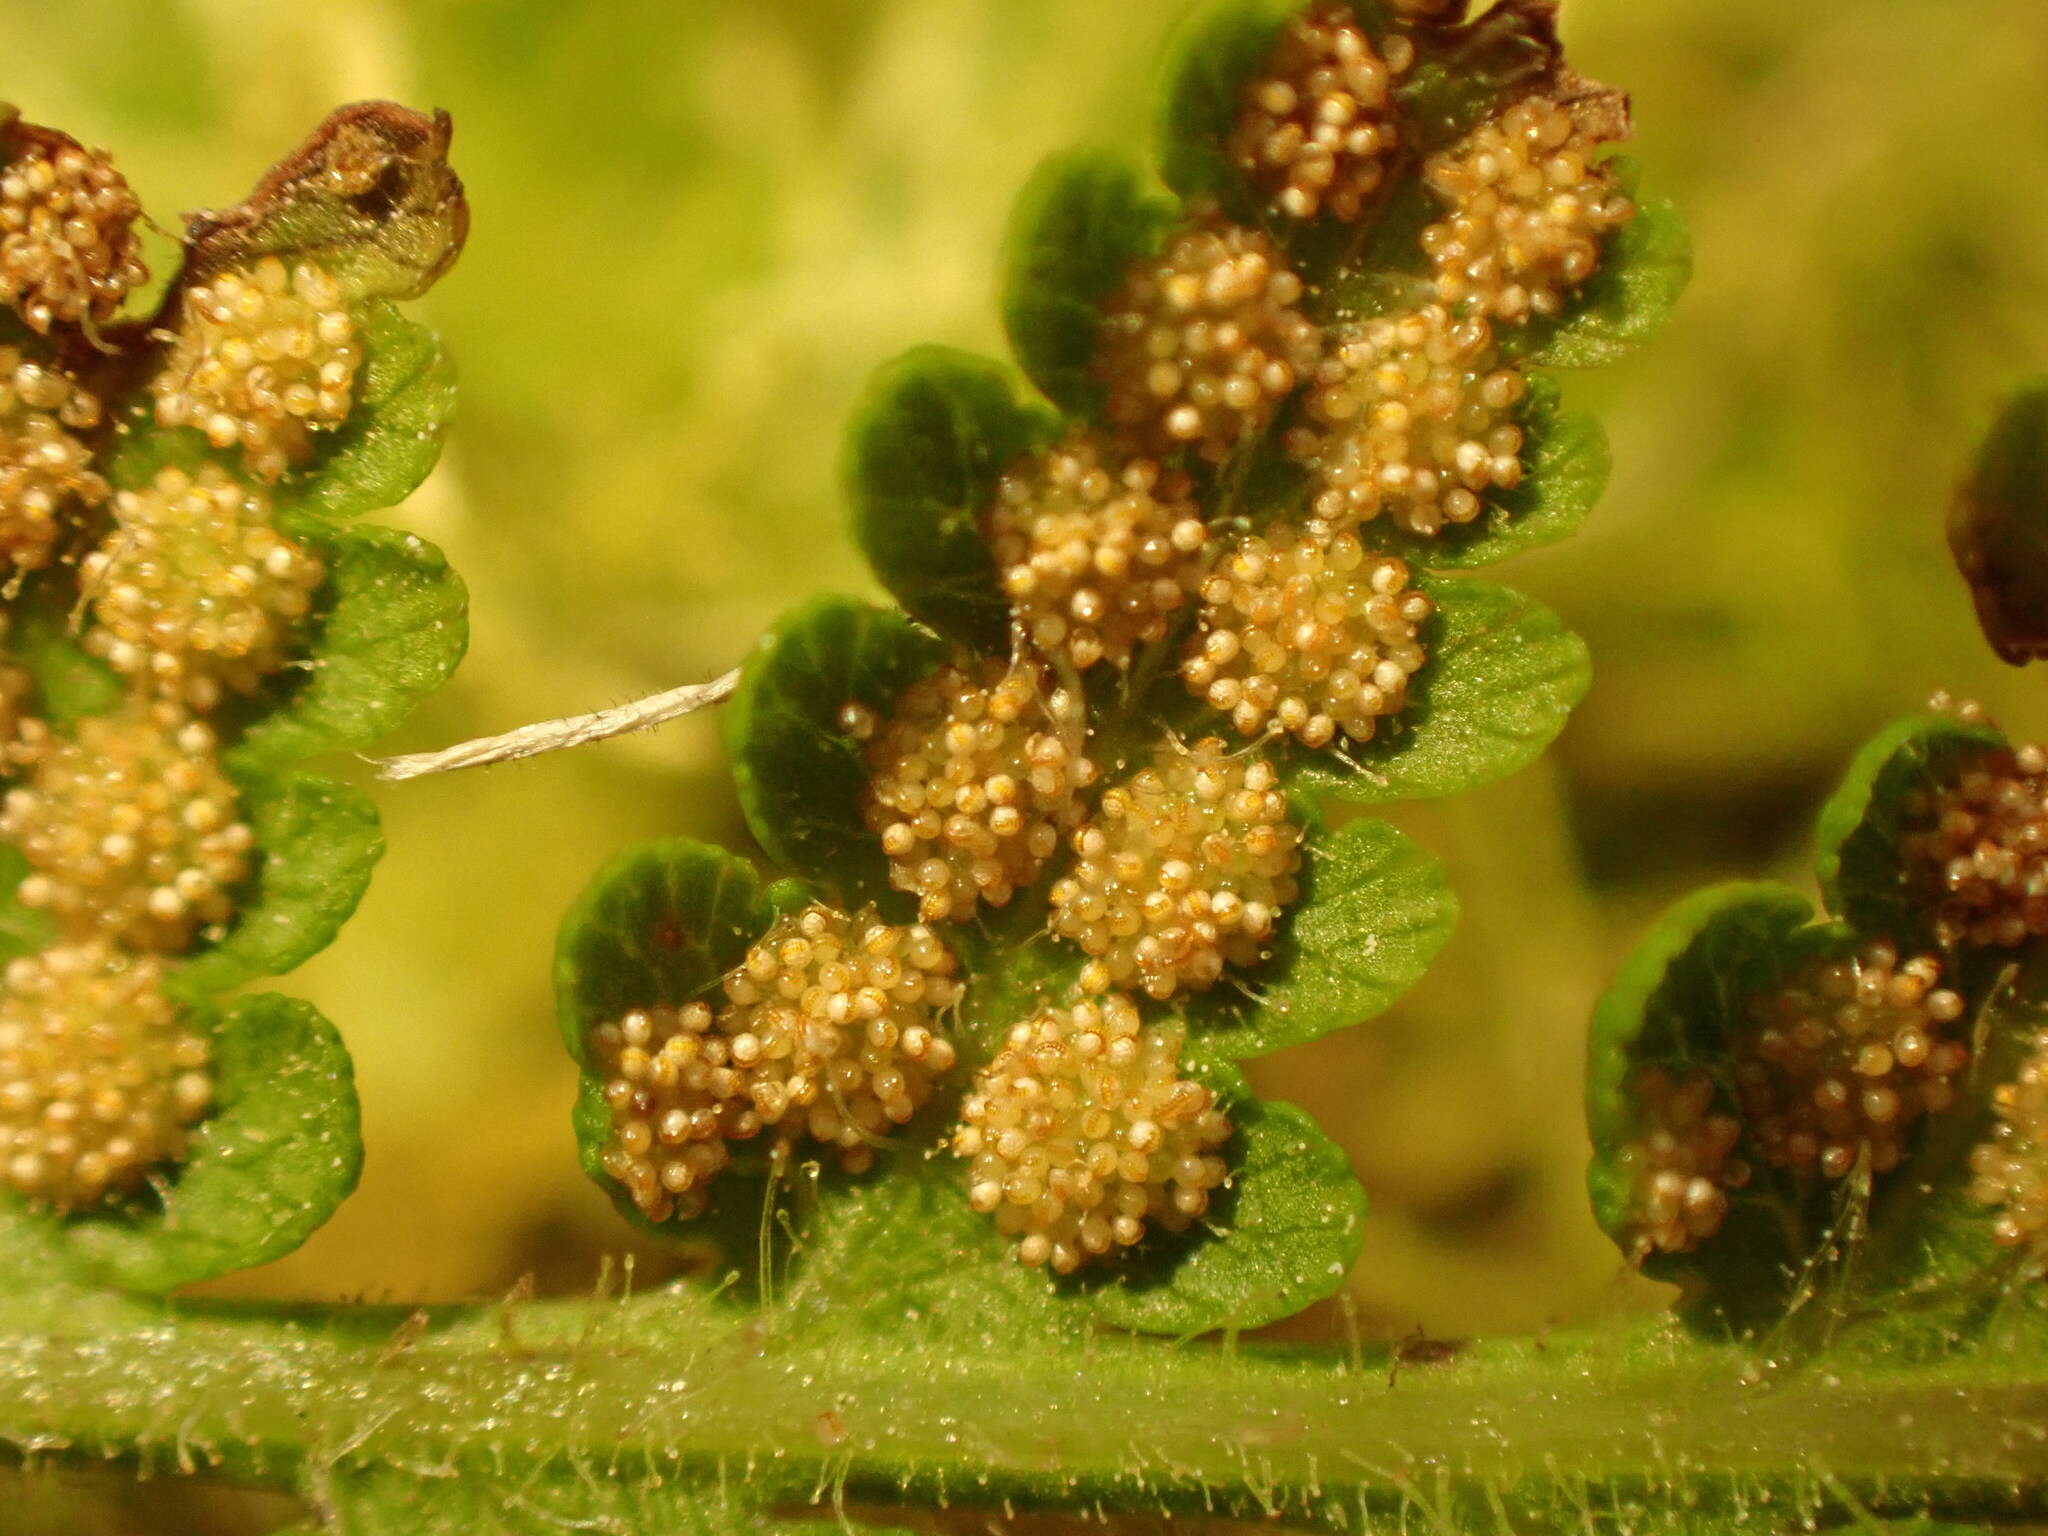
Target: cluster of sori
x=1977 y=849
x=1831 y=1068
x=1681 y=1163
x=133 y=834
x=1844 y=1055
x=1303 y=629
x=1097 y=551
x=1975 y=842
x=47 y=480
x=971 y=781
x=262 y=358
x=2010 y=1168
x=1184 y=867
x=830 y=1032
x=1082 y=1132
x=69 y=252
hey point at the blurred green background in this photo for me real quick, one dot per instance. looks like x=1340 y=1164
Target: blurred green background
x=699 y=225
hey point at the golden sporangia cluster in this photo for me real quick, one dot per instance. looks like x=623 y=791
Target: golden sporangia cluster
x=1680 y=1162
x=1082 y=1134
x=261 y=358
x=1976 y=851
x=1203 y=341
x=828 y=1032
x=972 y=780
x=1097 y=551
x=1319 y=123
x=69 y=253
x=1306 y=631
x=1527 y=207
x=1184 y=868
x=129 y=828
x=1843 y=1055
x=1412 y=416
x=2009 y=1169
x=99 y=1080
x=193 y=590
x=46 y=471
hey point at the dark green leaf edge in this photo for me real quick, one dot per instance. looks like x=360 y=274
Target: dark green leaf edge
x=1374 y=911
x=1502 y=677
x=1565 y=465
x=391 y=625
x=1862 y=876
x=390 y=442
x=799 y=775
x=1644 y=269
x=1932 y=1263
x=274 y=1159
x=318 y=842
x=657 y=926
x=1207 y=59
x=930 y=440
x=1677 y=1001
x=392 y=439
x=1082 y=219
x=69 y=682
x=1282 y=1235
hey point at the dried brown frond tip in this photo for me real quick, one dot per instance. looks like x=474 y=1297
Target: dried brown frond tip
x=46 y=473
x=829 y=1032
x=1682 y=1162
x=193 y=590
x=1204 y=341
x=1319 y=121
x=1528 y=207
x=1185 y=868
x=1305 y=631
x=1096 y=551
x=129 y=828
x=2010 y=1167
x=1976 y=852
x=972 y=780
x=69 y=253
x=99 y=1079
x=1412 y=416
x=1844 y=1056
x=263 y=358
x=1082 y=1134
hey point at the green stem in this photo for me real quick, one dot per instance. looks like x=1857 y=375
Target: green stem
x=673 y=1385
